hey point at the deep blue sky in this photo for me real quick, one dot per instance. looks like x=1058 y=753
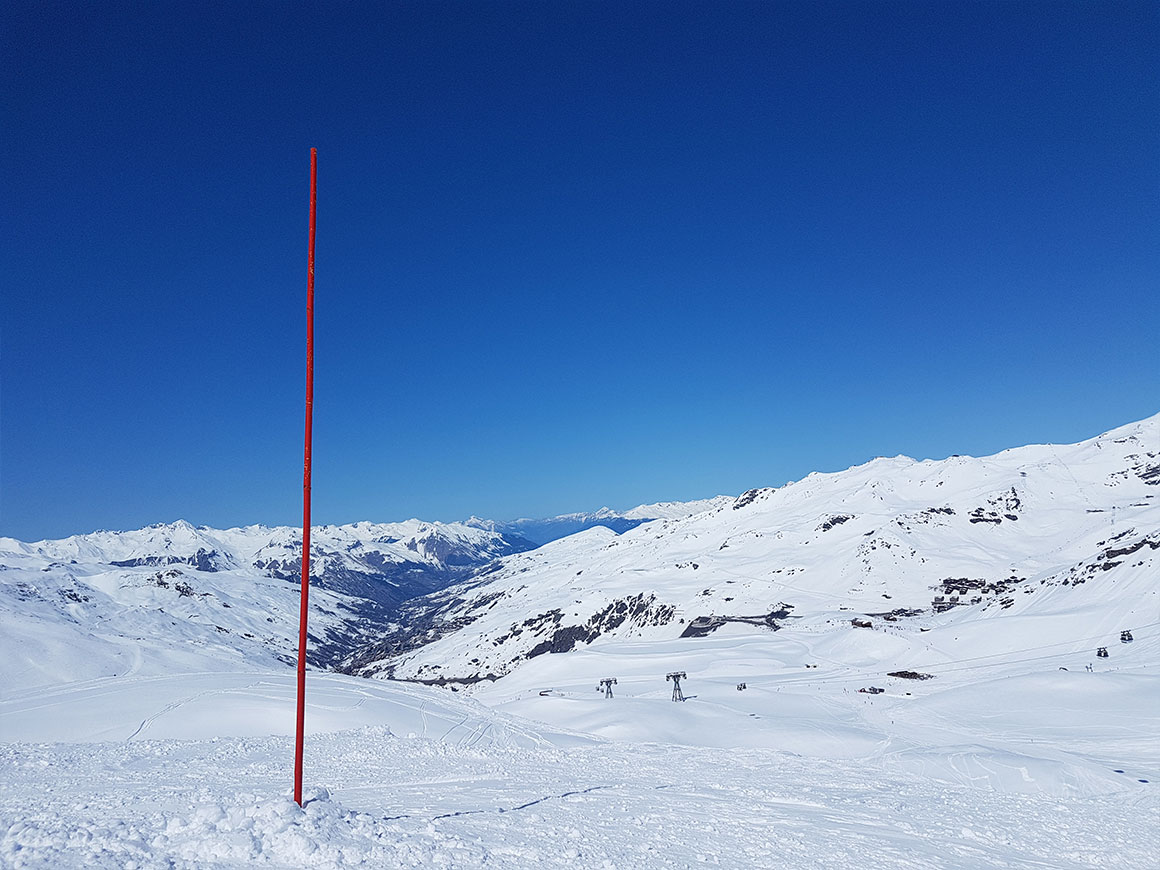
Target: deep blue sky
x=569 y=254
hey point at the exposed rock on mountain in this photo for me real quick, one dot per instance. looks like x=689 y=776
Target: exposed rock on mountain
x=1041 y=531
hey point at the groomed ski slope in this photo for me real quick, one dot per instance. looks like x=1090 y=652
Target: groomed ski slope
x=194 y=771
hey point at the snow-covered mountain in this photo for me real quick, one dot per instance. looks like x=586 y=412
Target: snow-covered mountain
x=895 y=665
x=542 y=531
x=1062 y=541
x=210 y=594
x=383 y=562
x=231 y=594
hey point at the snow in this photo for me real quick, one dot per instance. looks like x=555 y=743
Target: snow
x=417 y=778
x=1039 y=521
x=410 y=542
x=143 y=728
x=677 y=509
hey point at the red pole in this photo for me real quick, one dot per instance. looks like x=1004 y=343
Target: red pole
x=298 y=733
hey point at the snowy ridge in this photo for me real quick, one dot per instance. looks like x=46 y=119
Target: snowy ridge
x=1041 y=532
x=231 y=594
x=432 y=545
x=172 y=596
x=671 y=510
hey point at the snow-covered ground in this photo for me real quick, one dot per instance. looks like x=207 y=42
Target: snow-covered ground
x=146 y=725
x=194 y=771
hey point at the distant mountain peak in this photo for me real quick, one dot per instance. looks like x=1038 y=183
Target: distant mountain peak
x=545 y=529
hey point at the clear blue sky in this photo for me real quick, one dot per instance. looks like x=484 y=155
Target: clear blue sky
x=569 y=254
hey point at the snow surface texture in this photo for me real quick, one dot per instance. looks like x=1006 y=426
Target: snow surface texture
x=181 y=755
x=442 y=781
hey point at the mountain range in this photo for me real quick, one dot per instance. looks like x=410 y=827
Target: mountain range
x=1064 y=537
x=907 y=663
x=233 y=592
x=542 y=531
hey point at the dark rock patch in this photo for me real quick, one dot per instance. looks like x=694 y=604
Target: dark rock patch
x=836 y=520
x=704 y=625
x=641 y=610
x=746 y=498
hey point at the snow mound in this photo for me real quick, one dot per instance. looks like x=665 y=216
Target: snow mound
x=245 y=830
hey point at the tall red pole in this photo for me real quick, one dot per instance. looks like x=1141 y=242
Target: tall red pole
x=298 y=734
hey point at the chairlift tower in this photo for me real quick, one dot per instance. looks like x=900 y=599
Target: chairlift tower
x=606 y=684
x=676 y=677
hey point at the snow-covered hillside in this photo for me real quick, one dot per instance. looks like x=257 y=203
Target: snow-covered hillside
x=894 y=666
x=229 y=594
x=175 y=596
x=388 y=554
x=1043 y=546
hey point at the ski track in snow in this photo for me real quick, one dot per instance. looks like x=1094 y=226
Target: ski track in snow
x=223 y=803
x=494 y=791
